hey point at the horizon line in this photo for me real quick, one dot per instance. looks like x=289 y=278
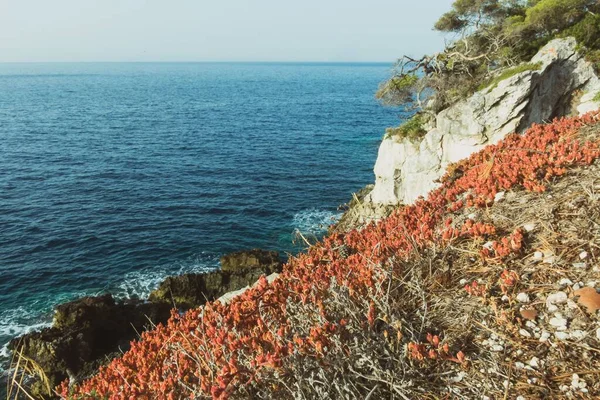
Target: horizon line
x=199 y=62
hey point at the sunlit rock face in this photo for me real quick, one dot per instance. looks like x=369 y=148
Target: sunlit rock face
x=565 y=84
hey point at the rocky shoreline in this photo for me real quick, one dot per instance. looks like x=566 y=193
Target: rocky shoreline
x=89 y=332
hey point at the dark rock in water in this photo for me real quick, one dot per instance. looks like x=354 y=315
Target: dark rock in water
x=238 y=270
x=244 y=260
x=84 y=332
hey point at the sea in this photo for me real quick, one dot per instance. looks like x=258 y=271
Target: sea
x=116 y=175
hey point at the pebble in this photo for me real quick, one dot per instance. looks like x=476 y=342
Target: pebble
x=556 y=298
x=579 y=265
x=598 y=333
x=561 y=335
x=524 y=332
x=523 y=297
x=552 y=308
x=583 y=255
x=565 y=282
x=558 y=322
x=521 y=398
x=497 y=347
x=530 y=324
x=538 y=255
x=519 y=365
x=488 y=245
x=577 y=334
x=463 y=282
x=529 y=227
x=499 y=197
x=534 y=362
x=544 y=336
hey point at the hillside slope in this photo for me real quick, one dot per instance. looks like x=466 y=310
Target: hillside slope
x=484 y=288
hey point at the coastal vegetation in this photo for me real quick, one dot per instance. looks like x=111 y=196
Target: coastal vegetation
x=414 y=306
x=413 y=129
x=487 y=36
x=493 y=82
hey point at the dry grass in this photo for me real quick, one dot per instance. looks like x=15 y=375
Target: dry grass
x=24 y=371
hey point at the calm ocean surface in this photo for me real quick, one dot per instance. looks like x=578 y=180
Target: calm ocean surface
x=113 y=176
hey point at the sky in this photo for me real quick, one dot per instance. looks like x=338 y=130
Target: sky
x=218 y=30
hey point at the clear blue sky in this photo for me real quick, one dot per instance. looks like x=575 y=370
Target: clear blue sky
x=217 y=30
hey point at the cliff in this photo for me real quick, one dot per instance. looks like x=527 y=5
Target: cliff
x=559 y=82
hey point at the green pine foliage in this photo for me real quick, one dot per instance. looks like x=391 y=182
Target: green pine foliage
x=490 y=36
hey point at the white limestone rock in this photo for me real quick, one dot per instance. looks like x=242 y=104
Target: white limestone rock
x=406 y=170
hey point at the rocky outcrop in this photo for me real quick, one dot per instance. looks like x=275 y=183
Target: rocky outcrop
x=238 y=270
x=83 y=333
x=87 y=332
x=564 y=84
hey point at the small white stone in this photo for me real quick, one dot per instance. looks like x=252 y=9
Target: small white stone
x=519 y=352
x=572 y=305
x=564 y=388
x=523 y=297
x=459 y=377
x=525 y=333
x=488 y=245
x=591 y=283
x=499 y=197
x=530 y=324
x=576 y=286
x=556 y=298
x=561 y=335
x=579 y=265
x=552 y=308
x=521 y=398
x=558 y=322
x=497 y=348
x=583 y=255
x=519 y=365
x=505 y=383
x=538 y=255
x=577 y=334
x=529 y=227
x=505 y=298
x=463 y=282
x=472 y=216
x=575 y=380
x=534 y=362
x=544 y=336
x=565 y=282
x=598 y=333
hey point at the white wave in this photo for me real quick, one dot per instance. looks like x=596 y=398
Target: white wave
x=140 y=283
x=314 y=221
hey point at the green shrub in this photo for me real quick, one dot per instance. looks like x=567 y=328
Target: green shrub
x=493 y=82
x=413 y=129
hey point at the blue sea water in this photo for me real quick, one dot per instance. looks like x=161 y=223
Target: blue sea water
x=113 y=176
